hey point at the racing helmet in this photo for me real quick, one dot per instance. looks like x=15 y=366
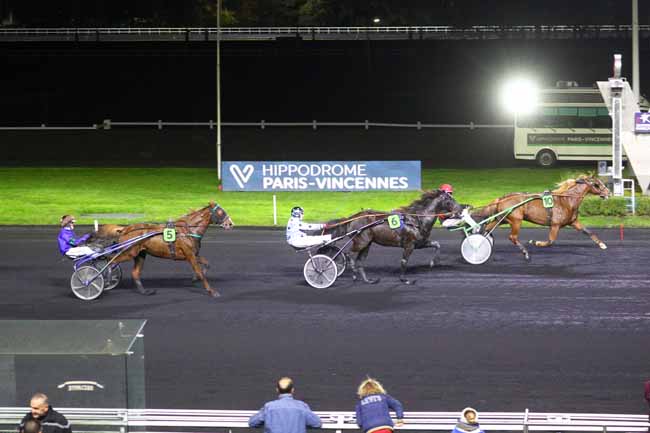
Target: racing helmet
x=297 y=212
x=446 y=188
x=66 y=219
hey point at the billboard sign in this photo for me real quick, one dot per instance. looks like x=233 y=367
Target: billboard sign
x=641 y=122
x=321 y=175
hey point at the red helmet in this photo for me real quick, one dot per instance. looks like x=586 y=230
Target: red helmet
x=446 y=188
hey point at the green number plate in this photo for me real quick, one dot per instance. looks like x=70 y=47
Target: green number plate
x=547 y=201
x=394 y=222
x=169 y=235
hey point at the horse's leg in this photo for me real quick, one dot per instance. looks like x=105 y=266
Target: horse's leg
x=359 y=265
x=196 y=267
x=205 y=265
x=578 y=226
x=515 y=226
x=552 y=236
x=408 y=250
x=137 y=271
x=435 y=261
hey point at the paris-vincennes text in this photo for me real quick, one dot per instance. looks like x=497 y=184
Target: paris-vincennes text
x=326 y=177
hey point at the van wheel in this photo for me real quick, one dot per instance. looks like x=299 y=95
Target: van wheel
x=546 y=158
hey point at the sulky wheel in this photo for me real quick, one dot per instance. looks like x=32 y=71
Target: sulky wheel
x=87 y=283
x=112 y=275
x=331 y=251
x=320 y=271
x=476 y=249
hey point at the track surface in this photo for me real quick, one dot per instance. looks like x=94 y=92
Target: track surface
x=567 y=332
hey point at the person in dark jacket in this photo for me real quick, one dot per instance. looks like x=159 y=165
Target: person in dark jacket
x=374 y=406
x=468 y=422
x=50 y=420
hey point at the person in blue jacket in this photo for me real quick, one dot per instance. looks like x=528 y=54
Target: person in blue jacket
x=374 y=406
x=69 y=244
x=468 y=422
x=286 y=414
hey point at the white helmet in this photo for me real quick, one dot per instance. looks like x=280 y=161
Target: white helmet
x=297 y=212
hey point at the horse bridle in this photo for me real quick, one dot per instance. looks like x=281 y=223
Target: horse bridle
x=213 y=211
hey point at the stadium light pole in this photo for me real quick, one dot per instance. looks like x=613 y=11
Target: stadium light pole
x=636 y=79
x=219 y=89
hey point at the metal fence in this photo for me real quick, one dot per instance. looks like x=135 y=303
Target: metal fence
x=108 y=124
x=324 y=33
x=172 y=420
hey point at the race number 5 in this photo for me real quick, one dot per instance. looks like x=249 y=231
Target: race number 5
x=169 y=235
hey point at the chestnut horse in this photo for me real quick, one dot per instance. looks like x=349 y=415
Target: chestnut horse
x=418 y=219
x=566 y=203
x=190 y=229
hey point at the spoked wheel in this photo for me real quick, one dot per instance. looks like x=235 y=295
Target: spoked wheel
x=320 y=271
x=87 y=283
x=112 y=275
x=331 y=251
x=476 y=249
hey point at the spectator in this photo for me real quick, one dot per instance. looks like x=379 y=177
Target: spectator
x=468 y=422
x=286 y=414
x=32 y=426
x=50 y=420
x=373 y=408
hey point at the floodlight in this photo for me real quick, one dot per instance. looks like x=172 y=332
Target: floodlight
x=520 y=95
x=376 y=20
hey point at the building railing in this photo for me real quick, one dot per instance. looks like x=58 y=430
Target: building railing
x=109 y=124
x=382 y=32
x=172 y=420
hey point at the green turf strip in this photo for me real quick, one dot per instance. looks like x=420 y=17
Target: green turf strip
x=42 y=195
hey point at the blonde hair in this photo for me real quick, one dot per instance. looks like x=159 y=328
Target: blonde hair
x=370 y=386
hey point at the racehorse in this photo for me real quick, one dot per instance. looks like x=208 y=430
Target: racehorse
x=417 y=220
x=566 y=203
x=189 y=228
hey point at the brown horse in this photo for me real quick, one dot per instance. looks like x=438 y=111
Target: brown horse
x=190 y=229
x=566 y=203
x=418 y=219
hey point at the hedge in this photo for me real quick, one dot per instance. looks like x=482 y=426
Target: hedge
x=615 y=206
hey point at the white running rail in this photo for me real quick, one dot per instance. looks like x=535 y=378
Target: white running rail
x=172 y=420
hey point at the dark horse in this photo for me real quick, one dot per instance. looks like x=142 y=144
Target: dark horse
x=190 y=229
x=566 y=203
x=418 y=219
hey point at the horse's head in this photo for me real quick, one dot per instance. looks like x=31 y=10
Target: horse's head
x=596 y=187
x=447 y=204
x=219 y=216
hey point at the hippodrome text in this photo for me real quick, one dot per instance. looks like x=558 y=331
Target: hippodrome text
x=321 y=176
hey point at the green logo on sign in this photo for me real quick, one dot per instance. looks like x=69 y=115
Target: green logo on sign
x=394 y=222
x=169 y=235
x=547 y=201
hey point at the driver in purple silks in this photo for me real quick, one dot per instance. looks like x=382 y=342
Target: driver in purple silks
x=69 y=244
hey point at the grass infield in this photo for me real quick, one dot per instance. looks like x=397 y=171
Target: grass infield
x=39 y=196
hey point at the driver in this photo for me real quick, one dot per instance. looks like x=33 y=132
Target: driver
x=464 y=217
x=296 y=237
x=69 y=244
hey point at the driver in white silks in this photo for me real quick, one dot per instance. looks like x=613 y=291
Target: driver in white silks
x=464 y=218
x=296 y=236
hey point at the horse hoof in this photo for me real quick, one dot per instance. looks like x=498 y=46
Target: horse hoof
x=602 y=246
x=434 y=263
x=213 y=293
x=145 y=292
x=372 y=281
x=532 y=242
x=527 y=257
x=408 y=282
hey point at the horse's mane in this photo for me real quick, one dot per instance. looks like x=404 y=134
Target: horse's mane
x=421 y=202
x=568 y=184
